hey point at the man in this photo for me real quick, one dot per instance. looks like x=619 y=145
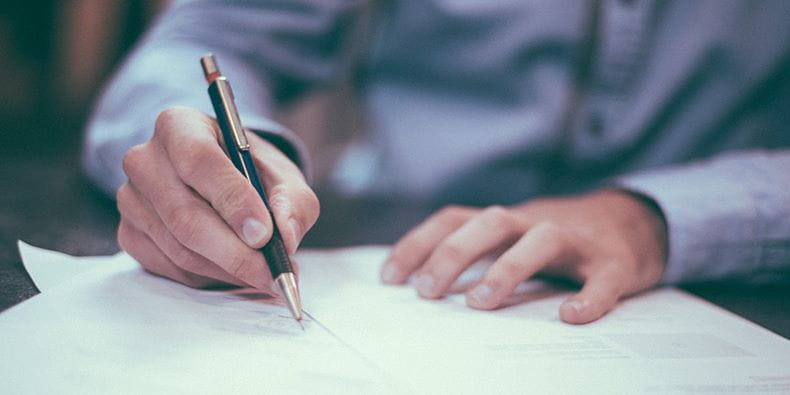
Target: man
x=665 y=121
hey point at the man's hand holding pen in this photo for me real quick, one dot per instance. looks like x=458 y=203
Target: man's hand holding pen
x=189 y=215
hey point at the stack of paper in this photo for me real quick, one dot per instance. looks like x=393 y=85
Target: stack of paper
x=107 y=326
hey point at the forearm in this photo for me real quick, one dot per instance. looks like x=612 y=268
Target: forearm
x=267 y=62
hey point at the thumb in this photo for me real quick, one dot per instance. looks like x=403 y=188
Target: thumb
x=597 y=297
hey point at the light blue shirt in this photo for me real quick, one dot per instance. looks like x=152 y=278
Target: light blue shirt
x=494 y=102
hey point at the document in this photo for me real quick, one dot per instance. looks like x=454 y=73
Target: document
x=111 y=327
x=49 y=269
x=116 y=329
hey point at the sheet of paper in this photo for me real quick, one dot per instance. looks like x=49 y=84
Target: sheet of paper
x=117 y=329
x=49 y=269
x=662 y=341
x=110 y=326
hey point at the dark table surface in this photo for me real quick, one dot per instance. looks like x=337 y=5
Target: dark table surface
x=46 y=202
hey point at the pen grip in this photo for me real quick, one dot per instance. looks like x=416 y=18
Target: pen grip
x=274 y=251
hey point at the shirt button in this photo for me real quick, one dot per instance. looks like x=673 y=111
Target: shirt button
x=595 y=124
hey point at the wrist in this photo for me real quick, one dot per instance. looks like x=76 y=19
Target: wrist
x=645 y=217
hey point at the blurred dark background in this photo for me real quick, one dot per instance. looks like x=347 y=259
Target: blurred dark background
x=54 y=57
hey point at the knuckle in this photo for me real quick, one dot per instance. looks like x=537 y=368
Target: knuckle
x=452 y=215
x=171 y=115
x=238 y=265
x=509 y=269
x=122 y=197
x=448 y=215
x=191 y=164
x=300 y=201
x=552 y=236
x=307 y=202
x=278 y=201
x=450 y=211
x=233 y=197
x=496 y=216
x=183 y=258
x=184 y=224
x=451 y=250
x=549 y=231
x=133 y=160
x=152 y=229
x=130 y=209
x=123 y=192
x=278 y=191
x=307 y=197
x=123 y=237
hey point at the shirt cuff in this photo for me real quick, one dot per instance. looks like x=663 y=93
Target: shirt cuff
x=711 y=224
x=283 y=138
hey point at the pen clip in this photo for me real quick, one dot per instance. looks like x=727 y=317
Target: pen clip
x=224 y=93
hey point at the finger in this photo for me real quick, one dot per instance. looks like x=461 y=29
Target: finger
x=414 y=248
x=483 y=233
x=294 y=204
x=138 y=212
x=140 y=247
x=598 y=295
x=542 y=245
x=189 y=218
x=190 y=141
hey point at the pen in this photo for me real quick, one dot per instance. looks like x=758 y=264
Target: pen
x=239 y=151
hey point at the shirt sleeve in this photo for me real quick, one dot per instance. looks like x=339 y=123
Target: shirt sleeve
x=272 y=51
x=728 y=217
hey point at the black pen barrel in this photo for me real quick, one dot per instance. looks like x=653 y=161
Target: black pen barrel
x=274 y=251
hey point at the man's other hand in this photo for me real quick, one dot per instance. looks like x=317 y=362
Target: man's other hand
x=610 y=241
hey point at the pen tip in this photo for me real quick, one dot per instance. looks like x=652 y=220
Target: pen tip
x=290 y=294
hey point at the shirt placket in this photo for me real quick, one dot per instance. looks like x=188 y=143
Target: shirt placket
x=620 y=48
